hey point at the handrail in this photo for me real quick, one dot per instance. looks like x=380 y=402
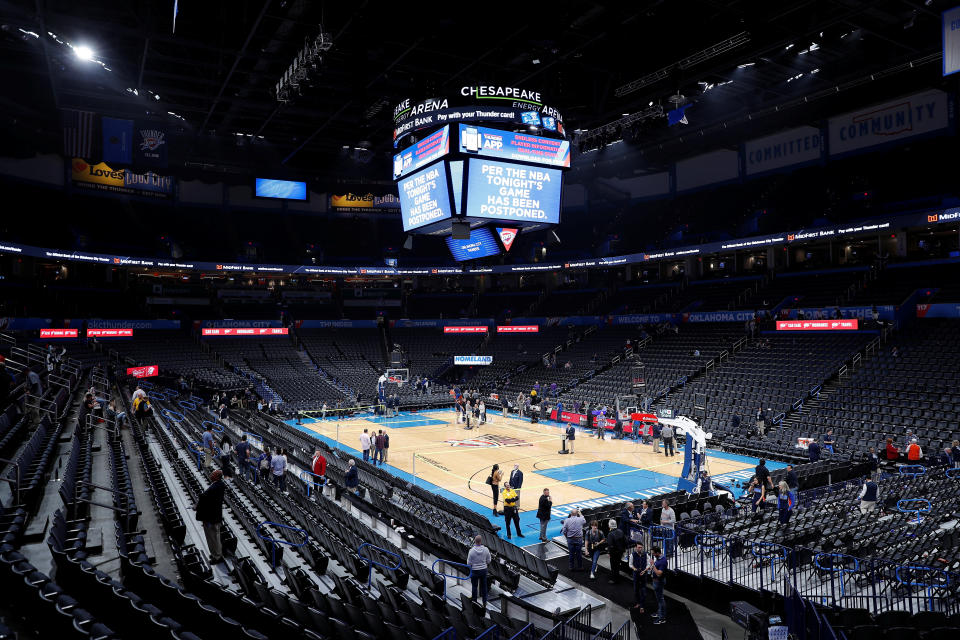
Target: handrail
x=780 y=553
x=275 y=541
x=526 y=632
x=952 y=473
x=450 y=633
x=312 y=483
x=146 y=384
x=433 y=568
x=15 y=481
x=218 y=428
x=913 y=470
x=835 y=567
x=929 y=586
x=916 y=506
x=186 y=404
x=373 y=563
x=172 y=415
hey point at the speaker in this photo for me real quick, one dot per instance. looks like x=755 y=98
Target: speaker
x=461 y=230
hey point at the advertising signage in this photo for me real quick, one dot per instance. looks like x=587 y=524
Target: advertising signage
x=148 y=371
x=851 y=324
x=362 y=199
x=473 y=361
x=431 y=148
x=507 y=145
x=281 y=189
x=465 y=329
x=109 y=333
x=480 y=245
x=513 y=192
x=424 y=197
x=518 y=328
x=246 y=331
x=102 y=177
x=58 y=333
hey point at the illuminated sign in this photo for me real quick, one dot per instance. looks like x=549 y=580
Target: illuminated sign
x=513 y=192
x=431 y=148
x=109 y=333
x=529 y=328
x=480 y=244
x=471 y=361
x=247 y=331
x=58 y=333
x=102 y=177
x=148 y=371
x=851 y=324
x=507 y=236
x=424 y=197
x=507 y=145
x=465 y=329
x=282 y=189
x=365 y=201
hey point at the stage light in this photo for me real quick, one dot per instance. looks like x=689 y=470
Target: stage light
x=83 y=52
x=745 y=65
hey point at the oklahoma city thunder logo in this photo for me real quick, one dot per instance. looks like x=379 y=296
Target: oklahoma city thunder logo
x=151 y=139
x=489 y=441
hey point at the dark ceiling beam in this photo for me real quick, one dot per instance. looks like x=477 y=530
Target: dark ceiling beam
x=46 y=52
x=143 y=62
x=236 y=61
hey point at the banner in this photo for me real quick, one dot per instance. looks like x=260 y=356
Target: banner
x=433 y=147
x=938 y=310
x=109 y=333
x=148 y=371
x=246 y=332
x=465 y=329
x=518 y=328
x=102 y=177
x=885 y=312
x=951 y=41
x=59 y=333
x=889 y=122
x=365 y=200
x=97 y=323
x=151 y=145
x=471 y=361
x=337 y=324
x=117 y=140
x=785 y=149
x=818 y=325
x=240 y=323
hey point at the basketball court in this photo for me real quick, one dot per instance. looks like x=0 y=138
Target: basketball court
x=429 y=449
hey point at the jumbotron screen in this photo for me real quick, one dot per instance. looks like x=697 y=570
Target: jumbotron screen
x=480 y=245
x=424 y=197
x=513 y=192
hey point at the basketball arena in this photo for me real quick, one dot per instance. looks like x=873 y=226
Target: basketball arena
x=583 y=321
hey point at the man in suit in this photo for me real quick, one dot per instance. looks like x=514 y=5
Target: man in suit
x=516 y=479
x=210 y=514
x=543 y=513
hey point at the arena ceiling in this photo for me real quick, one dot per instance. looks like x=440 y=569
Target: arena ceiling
x=215 y=76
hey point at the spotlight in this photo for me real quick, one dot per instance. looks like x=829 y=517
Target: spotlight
x=83 y=52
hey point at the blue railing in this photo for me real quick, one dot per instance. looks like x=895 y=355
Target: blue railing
x=913 y=470
x=450 y=575
x=305 y=476
x=198 y=451
x=916 y=506
x=769 y=551
x=953 y=473
x=529 y=632
x=173 y=416
x=837 y=563
x=252 y=436
x=216 y=428
x=275 y=541
x=492 y=633
x=373 y=563
x=186 y=404
x=447 y=634
x=711 y=543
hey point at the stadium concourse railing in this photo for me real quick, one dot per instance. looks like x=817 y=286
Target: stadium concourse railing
x=826 y=579
x=576 y=627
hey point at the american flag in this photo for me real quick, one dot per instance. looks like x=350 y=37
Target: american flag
x=78 y=133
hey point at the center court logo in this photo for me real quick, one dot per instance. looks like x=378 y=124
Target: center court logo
x=489 y=441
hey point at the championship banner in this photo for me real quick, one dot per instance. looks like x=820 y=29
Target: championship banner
x=103 y=177
x=892 y=121
x=59 y=333
x=262 y=331
x=785 y=149
x=148 y=371
x=818 y=325
x=951 y=41
x=109 y=333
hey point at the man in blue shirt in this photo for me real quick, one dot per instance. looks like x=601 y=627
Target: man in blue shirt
x=208 y=447
x=571 y=437
x=659 y=570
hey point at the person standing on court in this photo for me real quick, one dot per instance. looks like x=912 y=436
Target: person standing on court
x=210 y=514
x=478 y=558
x=511 y=513
x=494 y=479
x=573 y=531
x=365 y=445
x=516 y=479
x=571 y=437
x=378 y=448
x=655 y=435
x=386 y=446
x=208 y=447
x=543 y=513
x=667 y=434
